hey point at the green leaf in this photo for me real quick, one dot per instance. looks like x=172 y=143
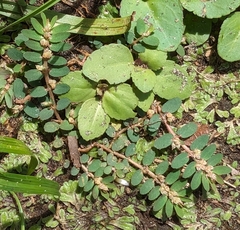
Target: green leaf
x=187 y=130
x=119 y=102
x=61 y=28
x=52 y=22
x=137 y=177
x=132 y=135
x=166 y=18
x=200 y=142
x=154 y=123
x=146 y=187
x=63 y=103
x=31 y=34
x=57 y=61
x=61 y=88
x=145 y=100
x=95 y=192
x=154 y=193
x=83 y=179
x=88 y=186
x=51 y=127
x=111 y=159
x=205 y=182
x=107 y=180
x=215 y=159
x=197 y=29
x=112 y=63
x=208 y=151
x=84 y=158
x=144 y=79
x=210 y=9
x=39 y=91
x=59 y=72
x=12 y=145
x=221 y=170
x=172 y=105
x=151 y=41
x=139 y=47
x=99 y=172
x=77 y=84
x=45 y=114
x=61 y=47
x=179 y=210
x=173 y=81
x=27 y=184
x=74 y=171
x=179 y=185
x=95 y=165
x=180 y=160
x=162 y=168
x=15 y=54
x=65 y=125
x=172 y=177
x=32 y=56
x=37 y=26
x=130 y=150
x=120 y=143
x=159 y=203
x=196 y=180
x=141 y=26
x=229 y=38
x=189 y=170
x=33 y=75
x=59 y=37
x=149 y=157
x=154 y=59
x=92 y=120
x=169 y=208
x=18 y=88
x=31 y=110
x=33 y=45
x=164 y=141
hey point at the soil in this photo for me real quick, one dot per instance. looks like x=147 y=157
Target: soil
x=36 y=209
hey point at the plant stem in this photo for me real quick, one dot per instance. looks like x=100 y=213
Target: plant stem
x=49 y=88
x=22 y=220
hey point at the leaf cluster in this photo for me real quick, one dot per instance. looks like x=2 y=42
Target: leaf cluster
x=162 y=167
x=39 y=69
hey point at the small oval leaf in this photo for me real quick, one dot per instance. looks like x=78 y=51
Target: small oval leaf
x=137 y=177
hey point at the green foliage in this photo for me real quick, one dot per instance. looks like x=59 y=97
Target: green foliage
x=115 y=104
x=154 y=17
x=24 y=183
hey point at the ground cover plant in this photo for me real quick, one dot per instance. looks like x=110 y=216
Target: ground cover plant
x=128 y=126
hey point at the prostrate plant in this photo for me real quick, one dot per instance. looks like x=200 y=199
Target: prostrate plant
x=41 y=69
x=161 y=165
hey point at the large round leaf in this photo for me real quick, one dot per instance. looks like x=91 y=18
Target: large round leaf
x=165 y=16
x=210 y=9
x=92 y=120
x=173 y=81
x=111 y=62
x=229 y=38
x=80 y=88
x=119 y=102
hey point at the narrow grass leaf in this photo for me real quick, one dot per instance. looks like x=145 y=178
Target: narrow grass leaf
x=27 y=184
